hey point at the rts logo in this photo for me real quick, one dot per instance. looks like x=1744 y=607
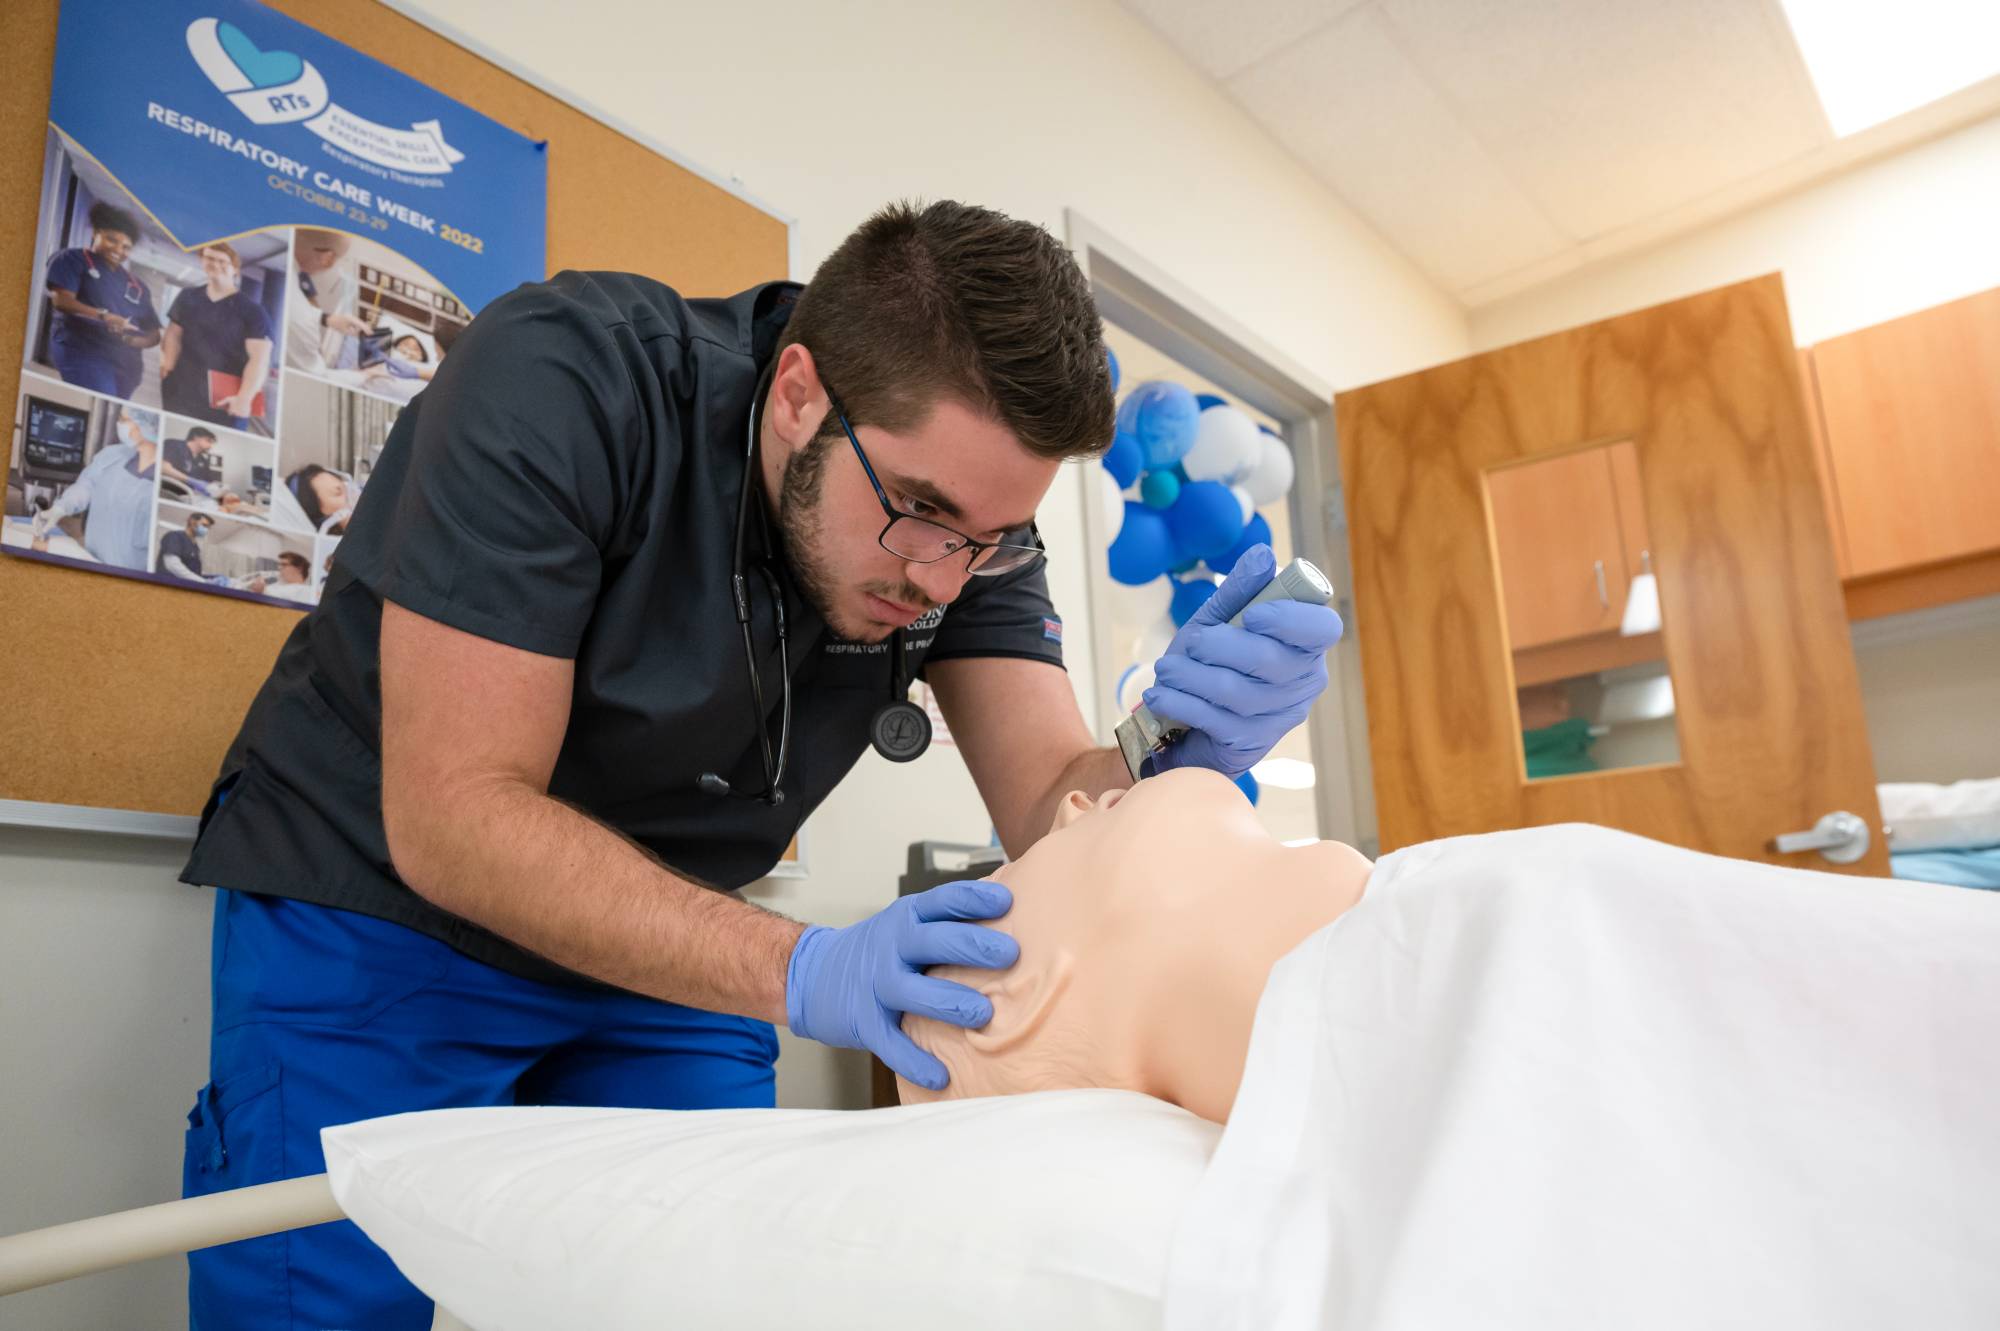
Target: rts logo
x=271 y=87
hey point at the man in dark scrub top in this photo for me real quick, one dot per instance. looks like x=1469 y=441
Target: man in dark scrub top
x=215 y=330
x=484 y=823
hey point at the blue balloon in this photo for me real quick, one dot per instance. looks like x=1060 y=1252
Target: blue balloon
x=1189 y=597
x=1207 y=400
x=1122 y=460
x=1205 y=520
x=1111 y=361
x=1248 y=785
x=1185 y=566
x=1268 y=430
x=1180 y=473
x=1255 y=532
x=1162 y=417
x=1159 y=489
x=1144 y=547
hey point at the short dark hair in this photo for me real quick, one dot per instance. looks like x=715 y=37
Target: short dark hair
x=296 y=560
x=948 y=300
x=201 y=432
x=110 y=217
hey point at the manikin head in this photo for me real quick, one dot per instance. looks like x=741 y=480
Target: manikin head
x=966 y=350
x=1148 y=923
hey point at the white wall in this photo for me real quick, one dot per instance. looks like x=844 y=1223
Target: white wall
x=1879 y=241
x=825 y=111
x=103 y=1044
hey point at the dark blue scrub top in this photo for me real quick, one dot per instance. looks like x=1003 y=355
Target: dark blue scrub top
x=212 y=336
x=108 y=287
x=568 y=485
x=184 y=545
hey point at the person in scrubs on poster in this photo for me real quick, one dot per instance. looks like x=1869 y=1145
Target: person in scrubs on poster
x=115 y=493
x=216 y=338
x=104 y=316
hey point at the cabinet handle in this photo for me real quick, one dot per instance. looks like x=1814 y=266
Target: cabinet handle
x=1603 y=597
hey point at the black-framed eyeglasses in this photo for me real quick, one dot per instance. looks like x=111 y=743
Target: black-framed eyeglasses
x=922 y=541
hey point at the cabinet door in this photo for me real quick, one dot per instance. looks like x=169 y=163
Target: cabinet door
x=1556 y=533
x=1912 y=416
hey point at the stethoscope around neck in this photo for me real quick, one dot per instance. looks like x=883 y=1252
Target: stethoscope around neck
x=900 y=730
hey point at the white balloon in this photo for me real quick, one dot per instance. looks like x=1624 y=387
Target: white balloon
x=1111 y=503
x=1153 y=641
x=1271 y=479
x=1225 y=441
x=1133 y=684
x=1147 y=602
x=1243 y=498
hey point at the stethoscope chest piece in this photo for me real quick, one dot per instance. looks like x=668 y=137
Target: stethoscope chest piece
x=900 y=730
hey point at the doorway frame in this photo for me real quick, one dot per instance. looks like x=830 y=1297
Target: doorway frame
x=1147 y=303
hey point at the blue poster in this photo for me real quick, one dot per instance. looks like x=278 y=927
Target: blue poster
x=255 y=247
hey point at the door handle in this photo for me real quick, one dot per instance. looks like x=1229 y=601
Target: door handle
x=1840 y=838
x=1603 y=597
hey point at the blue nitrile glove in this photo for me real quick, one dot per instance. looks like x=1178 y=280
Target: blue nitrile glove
x=1239 y=690
x=850 y=987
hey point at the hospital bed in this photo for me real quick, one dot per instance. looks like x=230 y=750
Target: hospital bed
x=1944 y=833
x=84 y=1247
x=1553 y=1078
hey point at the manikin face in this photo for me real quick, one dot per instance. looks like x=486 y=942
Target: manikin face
x=955 y=467
x=330 y=490
x=1148 y=922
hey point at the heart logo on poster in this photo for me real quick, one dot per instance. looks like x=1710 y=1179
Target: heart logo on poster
x=276 y=87
x=264 y=69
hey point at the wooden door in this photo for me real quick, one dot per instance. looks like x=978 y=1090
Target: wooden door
x=1772 y=735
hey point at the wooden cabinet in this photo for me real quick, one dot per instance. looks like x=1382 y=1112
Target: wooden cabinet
x=1910 y=414
x=1569 y=535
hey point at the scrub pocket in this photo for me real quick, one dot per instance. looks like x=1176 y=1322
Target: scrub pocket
x=235 y=1137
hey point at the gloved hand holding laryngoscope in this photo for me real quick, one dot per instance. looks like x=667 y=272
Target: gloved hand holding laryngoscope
x=1243 y=671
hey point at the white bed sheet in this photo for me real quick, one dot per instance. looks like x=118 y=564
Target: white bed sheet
x=1570 y=1078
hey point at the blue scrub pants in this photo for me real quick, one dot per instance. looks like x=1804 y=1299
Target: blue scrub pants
x=96 y=373
x=325 y=1016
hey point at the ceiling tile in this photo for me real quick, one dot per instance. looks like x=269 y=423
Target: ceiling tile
x=1350 y=105
x=1608 y=112
x=1220 y=40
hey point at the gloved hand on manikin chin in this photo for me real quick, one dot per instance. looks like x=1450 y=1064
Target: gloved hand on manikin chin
x=1240 y=689
x=850 y=987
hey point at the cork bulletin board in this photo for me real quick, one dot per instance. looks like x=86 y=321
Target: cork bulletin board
x=122 y=697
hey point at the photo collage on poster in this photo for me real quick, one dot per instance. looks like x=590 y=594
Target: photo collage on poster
x=208 y=416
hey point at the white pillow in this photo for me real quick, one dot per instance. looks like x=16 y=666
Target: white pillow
x=1961 y=816
x=1054 y=1209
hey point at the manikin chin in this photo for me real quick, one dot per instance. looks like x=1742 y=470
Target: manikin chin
x=1148 y=923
